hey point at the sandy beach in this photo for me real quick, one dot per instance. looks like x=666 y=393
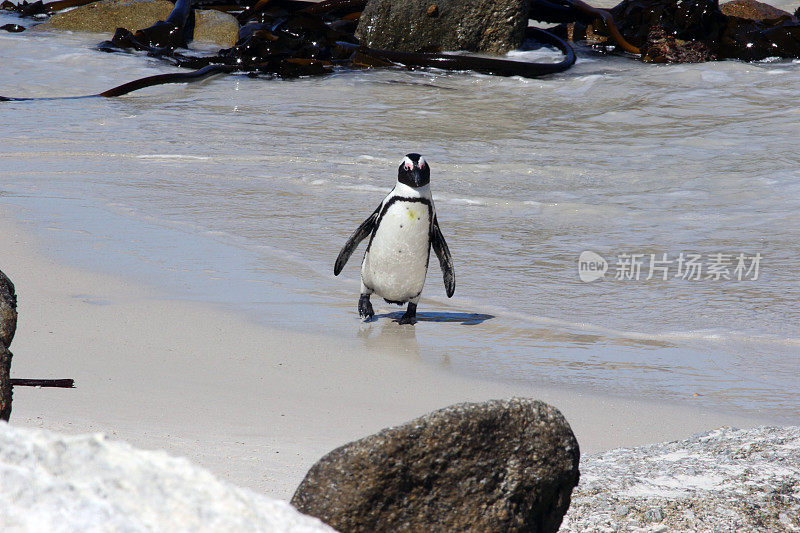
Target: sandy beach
x=257 y=406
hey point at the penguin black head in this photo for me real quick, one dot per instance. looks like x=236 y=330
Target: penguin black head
x=414 y=171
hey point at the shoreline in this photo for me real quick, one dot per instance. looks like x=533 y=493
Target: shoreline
x=255 y=405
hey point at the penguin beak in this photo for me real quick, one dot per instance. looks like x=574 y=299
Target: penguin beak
x=416 y=175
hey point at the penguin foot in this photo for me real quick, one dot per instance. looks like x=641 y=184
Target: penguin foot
x=365 y=307
x=410 y=316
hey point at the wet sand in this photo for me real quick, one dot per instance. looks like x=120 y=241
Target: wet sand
x=255 y=405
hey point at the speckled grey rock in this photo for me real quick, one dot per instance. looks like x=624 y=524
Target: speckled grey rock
x=8 y=310
x=108 y=15
x=497 y=466
x=490 y=26
x=724 y=480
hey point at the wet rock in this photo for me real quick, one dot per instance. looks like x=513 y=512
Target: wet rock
x=108 y=15
x=663 y=48
x=12 y=28
x=724 y=480
x=697 y=30
x=687 y=20
x=757 y=31
x=752 y=10
x=490 y=26
x=499 y=466
x=8 y=310
x=25 y=8
x=216 y=27
x=752 y=40
x=289 y=45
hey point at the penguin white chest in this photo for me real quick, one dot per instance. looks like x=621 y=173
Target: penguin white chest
x=397 y=260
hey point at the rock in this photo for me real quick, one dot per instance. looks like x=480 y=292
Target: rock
x=752 y=10
x=8 y=310
x=663 y=48
x=723 y=480
x=6 y=389
x=687 y=20
x=499 y=466
x=490 y=26
x=53 y=482
x=216 y=27
x=697 y=30
x=752 y=40
x=107 y=15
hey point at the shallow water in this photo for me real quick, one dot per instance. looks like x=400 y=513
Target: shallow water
x=241 y=191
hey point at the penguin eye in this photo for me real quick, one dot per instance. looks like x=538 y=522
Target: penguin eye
x=409 y=166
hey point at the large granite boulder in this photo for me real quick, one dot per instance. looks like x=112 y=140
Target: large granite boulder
x=499 y=466
x=53 y=482
x=724 y=480
x=490 y=26
x=107 y=15
x=8 y=310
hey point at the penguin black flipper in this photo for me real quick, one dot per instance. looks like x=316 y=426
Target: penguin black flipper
x=361 y=233
x=445 y=261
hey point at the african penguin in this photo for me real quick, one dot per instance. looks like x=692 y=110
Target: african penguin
x=401 y=230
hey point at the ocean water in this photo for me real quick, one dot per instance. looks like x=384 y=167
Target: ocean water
x=241 y=192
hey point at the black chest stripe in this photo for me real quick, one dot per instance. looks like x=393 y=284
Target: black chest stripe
x=390 y=203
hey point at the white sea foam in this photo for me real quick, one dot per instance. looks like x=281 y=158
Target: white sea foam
x=173 y=156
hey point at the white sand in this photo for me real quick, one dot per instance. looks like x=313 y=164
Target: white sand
x=254 y=405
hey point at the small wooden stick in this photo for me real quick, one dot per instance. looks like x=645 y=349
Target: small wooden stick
x=62 y=383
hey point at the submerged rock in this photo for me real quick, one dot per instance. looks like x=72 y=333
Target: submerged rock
x=697 y=30
x=663 y=48
x=53 y=482
x=724 y=480
x=108 y=15
x=491 y=26
x=754 y=40
x=498 y=466
x=687 y=20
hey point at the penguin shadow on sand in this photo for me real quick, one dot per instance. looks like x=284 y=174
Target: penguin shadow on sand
x=465 y=319
x=392 y=337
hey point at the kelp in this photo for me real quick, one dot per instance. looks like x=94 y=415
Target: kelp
x=293 y=38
